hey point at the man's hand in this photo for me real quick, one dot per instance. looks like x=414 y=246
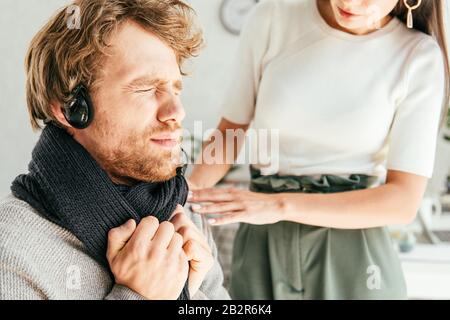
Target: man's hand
x=148 y=258
x=196 y=248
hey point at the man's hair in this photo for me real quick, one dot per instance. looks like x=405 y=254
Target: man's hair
x=67 y=52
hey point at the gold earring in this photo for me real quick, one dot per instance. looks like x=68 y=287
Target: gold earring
x=409 y=22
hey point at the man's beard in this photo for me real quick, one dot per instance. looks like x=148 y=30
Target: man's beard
x=136 y=160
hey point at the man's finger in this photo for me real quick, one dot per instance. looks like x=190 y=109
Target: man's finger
x=118 y=238
x=178 y=210
x=189 y=233
x=176 y=244
x=195 y=251
x=144 y=233
x=180 y=220
x=187 y=228
x=163 y=235
x=199 y=258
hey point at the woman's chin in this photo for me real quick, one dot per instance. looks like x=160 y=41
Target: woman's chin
x=353 y=27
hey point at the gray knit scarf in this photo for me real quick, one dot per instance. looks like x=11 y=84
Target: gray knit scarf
x=66 y=185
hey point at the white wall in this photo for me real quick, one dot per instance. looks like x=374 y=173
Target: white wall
x=204 y=87
x=20 y=20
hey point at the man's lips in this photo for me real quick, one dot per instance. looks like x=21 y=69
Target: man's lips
x=169 y=140
x=167 y=136
x=168 y=143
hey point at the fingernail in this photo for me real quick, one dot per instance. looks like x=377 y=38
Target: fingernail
x=129 y=223
x=196 y=207
x=211 y=221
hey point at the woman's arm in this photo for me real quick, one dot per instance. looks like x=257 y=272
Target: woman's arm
x=206 y=174
x=395 y=202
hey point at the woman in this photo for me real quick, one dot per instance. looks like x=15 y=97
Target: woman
x=356 y=89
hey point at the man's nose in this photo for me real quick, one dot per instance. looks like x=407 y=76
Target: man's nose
x=171 y=110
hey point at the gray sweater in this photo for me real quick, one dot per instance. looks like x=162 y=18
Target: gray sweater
x=41 y=260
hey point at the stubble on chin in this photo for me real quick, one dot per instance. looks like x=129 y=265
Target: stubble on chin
x=135 y=160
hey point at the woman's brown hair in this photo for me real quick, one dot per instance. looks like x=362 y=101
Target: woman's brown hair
x=64 y=54
x=429 y=18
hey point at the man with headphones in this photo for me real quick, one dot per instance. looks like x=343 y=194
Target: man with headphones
x=99 y=214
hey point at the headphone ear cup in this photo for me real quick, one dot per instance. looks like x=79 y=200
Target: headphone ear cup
x=80 y=112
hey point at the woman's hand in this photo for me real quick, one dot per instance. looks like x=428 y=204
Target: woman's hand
x=191 y=185
x=237 y=205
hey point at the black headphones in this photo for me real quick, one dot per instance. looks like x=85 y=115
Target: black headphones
x=79 y=112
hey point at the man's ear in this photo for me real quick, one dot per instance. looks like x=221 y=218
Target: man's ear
x=58 y=114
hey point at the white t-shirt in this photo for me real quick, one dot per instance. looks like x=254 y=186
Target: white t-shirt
x=343 y=103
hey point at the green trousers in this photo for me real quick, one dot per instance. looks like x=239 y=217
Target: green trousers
x=295 y=261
